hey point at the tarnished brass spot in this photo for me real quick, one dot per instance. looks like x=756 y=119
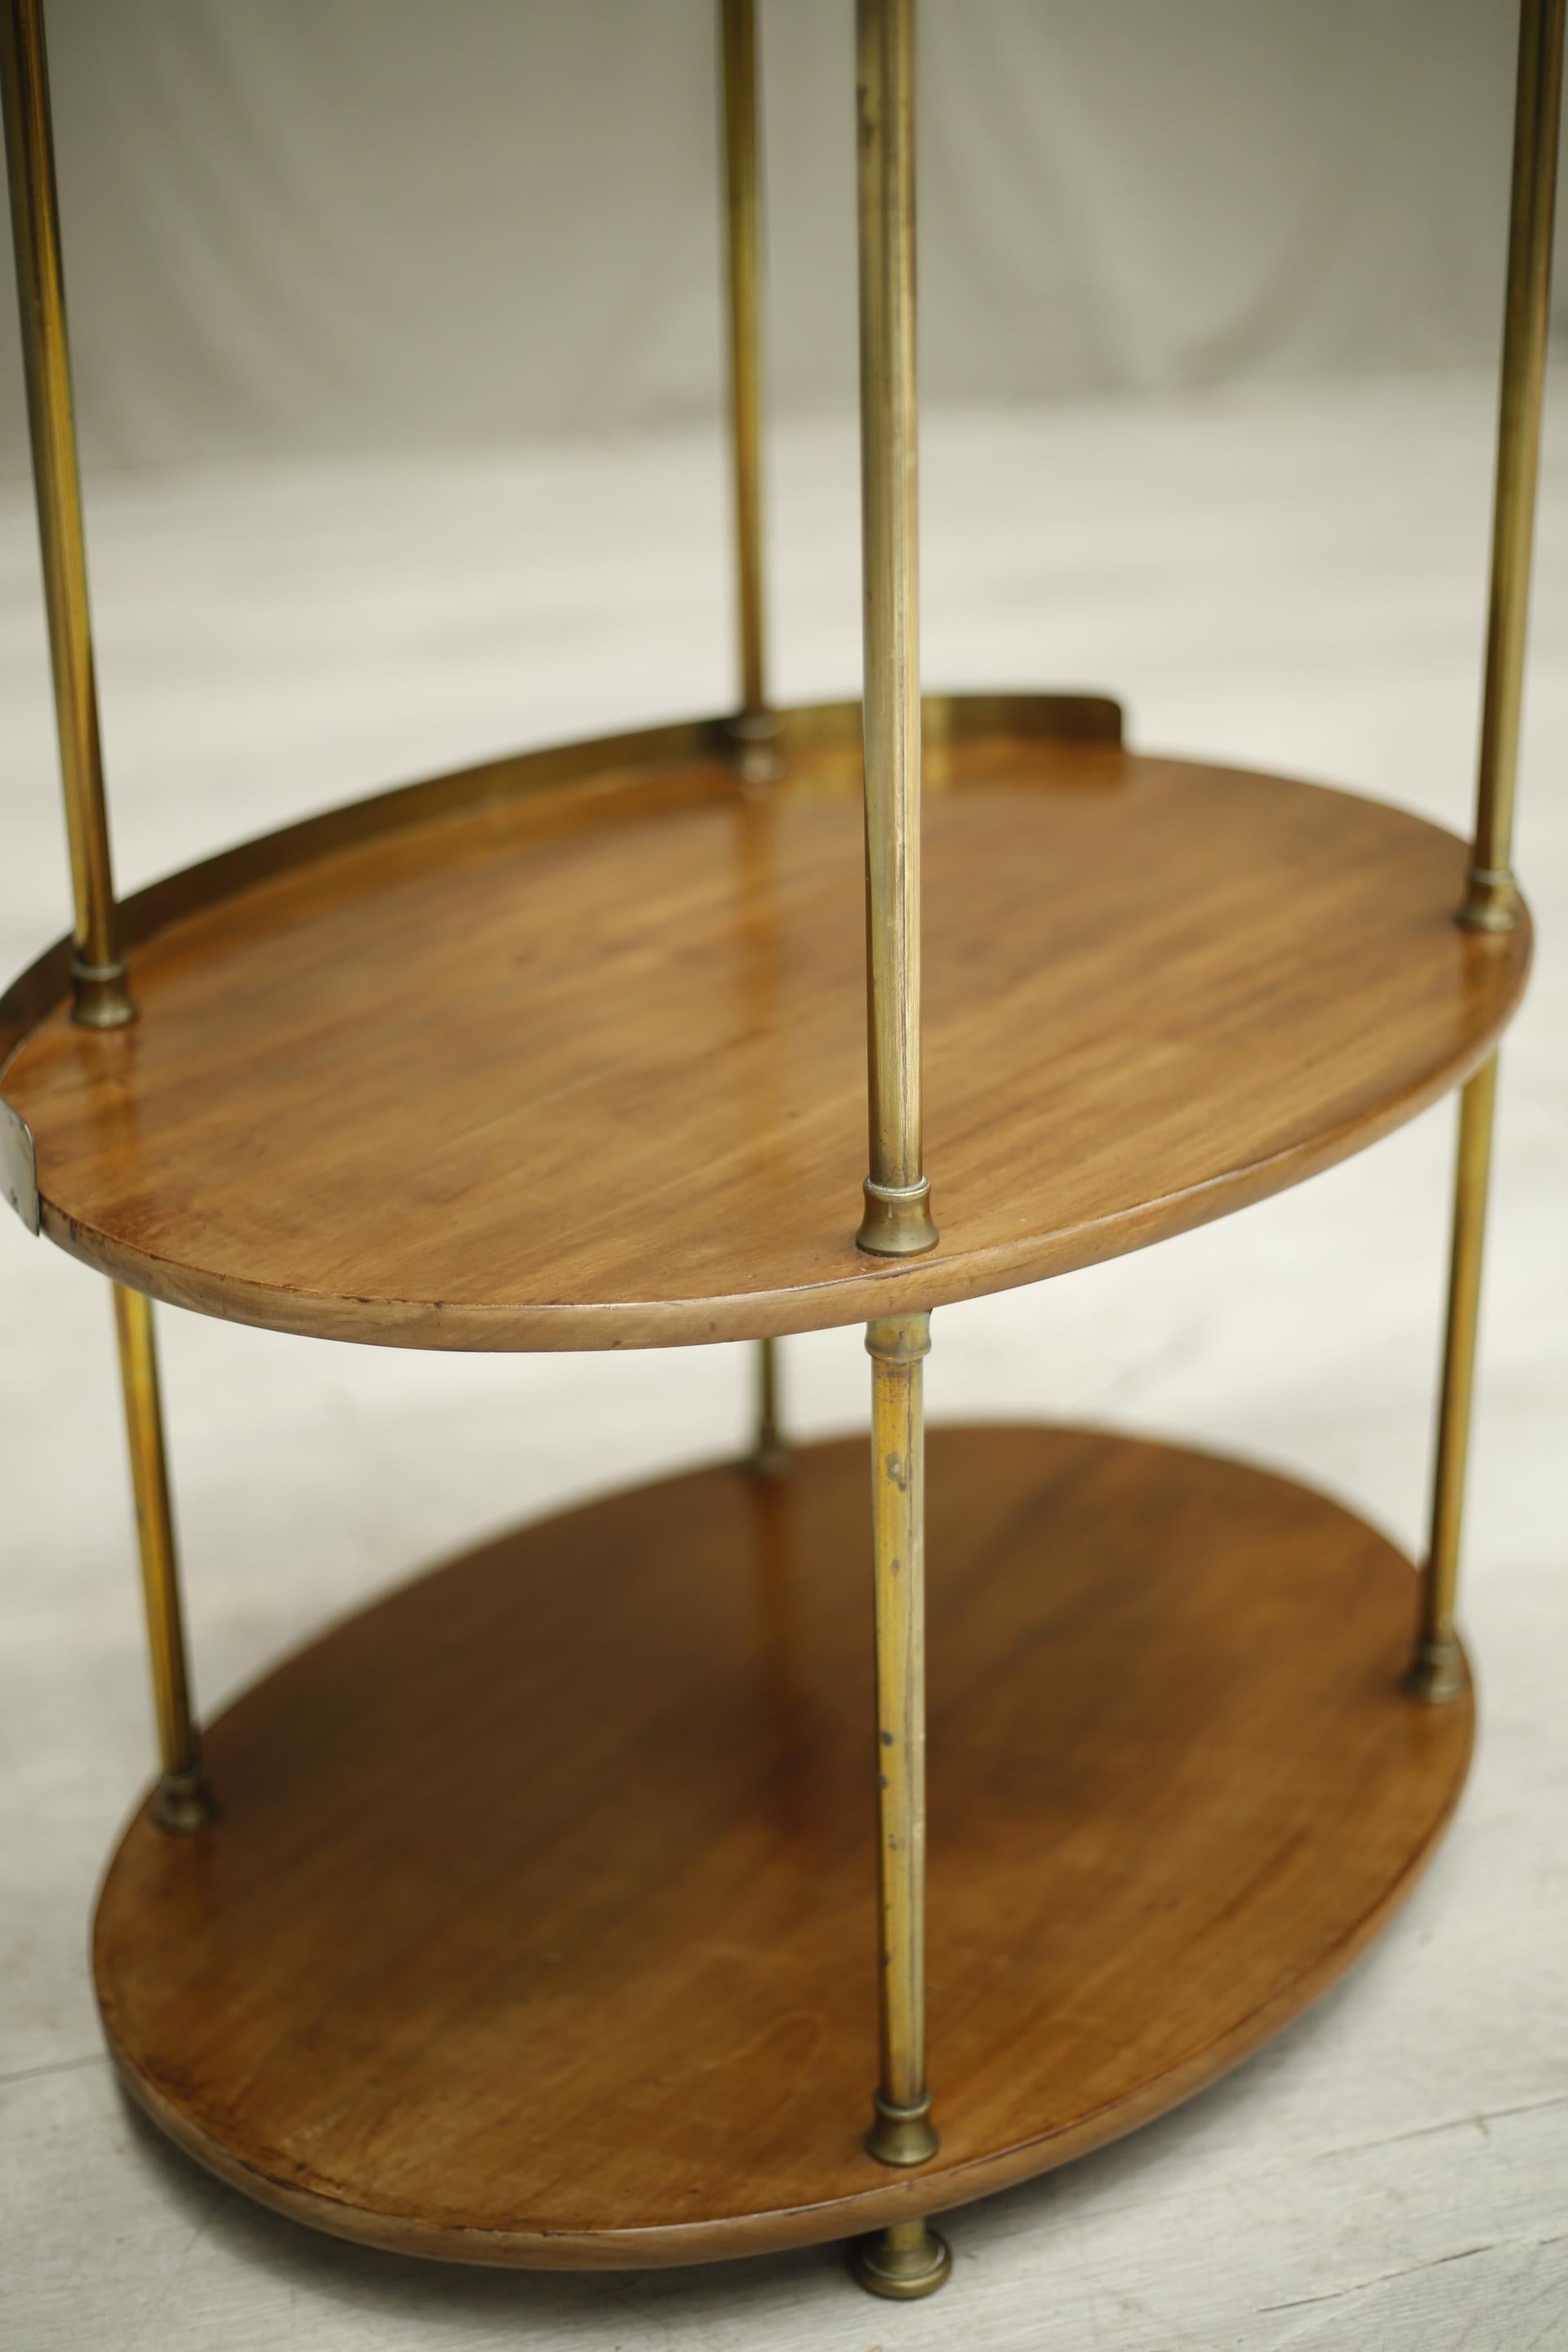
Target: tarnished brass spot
x=898 y=1222
x=903 y=2262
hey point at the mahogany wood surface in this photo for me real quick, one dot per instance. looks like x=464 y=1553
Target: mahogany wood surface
x=586 y=1067
x=538 y=1923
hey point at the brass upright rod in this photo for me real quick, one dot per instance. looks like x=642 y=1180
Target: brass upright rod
x=183 y=1802
x=742 y=225
x=755 y=727
x=909 y=2259
x=898 y=1345
x=898 y=1217
x=97 y=972
x=1491 y=901
x=1436 y=1674
x=771 y=1451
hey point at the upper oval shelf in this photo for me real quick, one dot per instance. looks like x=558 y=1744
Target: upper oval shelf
x=569 y=1051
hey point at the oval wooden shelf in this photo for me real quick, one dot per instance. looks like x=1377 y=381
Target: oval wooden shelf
x=538 y=1926
x=570 y=1052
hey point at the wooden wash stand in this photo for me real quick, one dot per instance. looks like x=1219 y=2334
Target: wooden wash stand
x=569 y=1907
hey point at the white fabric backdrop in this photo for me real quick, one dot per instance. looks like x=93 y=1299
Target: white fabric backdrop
x=311 y=224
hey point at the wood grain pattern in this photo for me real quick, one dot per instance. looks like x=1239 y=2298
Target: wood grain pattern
x=538 y=1923
x=587 y=1068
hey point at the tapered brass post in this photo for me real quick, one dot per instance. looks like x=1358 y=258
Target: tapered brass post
x=898 y=1218
x=755 y=728
x=97 y=972
x=898 y=1346
x=910 y=2259
x=183 y=1802
x=101 y=1000
x=1491 y=901
x=1436 y=1671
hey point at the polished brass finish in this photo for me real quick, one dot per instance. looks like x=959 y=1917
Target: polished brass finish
x=97 y=972
x=755 y=729
x=18 y=1167
x=1492 y=902
x=902 y=2132
x=183 y=1802
x=903 y=2263
x=1437 y=1671
x=770 y=1453
x=897 y=1221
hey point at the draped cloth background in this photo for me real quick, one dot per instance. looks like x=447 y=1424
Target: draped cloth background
x=301 y=225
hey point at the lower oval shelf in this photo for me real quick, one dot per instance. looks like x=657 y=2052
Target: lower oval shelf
x=538 y=1926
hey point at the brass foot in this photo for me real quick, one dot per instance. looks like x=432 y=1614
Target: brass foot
x=183 y=1802
x=901 y=2135
x=1436 y=1674
x=903 y=2262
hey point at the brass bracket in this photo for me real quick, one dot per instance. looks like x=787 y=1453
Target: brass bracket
x=18 y=1165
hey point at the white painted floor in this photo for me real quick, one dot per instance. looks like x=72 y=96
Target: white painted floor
x=1293 y=578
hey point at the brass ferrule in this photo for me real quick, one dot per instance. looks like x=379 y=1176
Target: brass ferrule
x=1437 y=1673
x=899 y=1339
x=898 y=1222
x=902 y=2134
x=101 y=998
x=182 y=1803
x=1491 y=901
